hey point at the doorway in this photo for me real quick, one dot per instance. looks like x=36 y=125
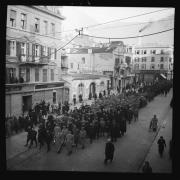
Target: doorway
x=92 y=88
x=54 y=97
x=27 y=103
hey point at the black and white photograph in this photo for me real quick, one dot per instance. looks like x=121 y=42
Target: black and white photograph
x=89 y=88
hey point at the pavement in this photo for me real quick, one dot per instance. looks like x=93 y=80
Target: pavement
x=131 y=151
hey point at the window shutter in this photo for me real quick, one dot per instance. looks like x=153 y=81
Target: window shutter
x=27 y=51
x=55 y=55
x=18 y=50
x=33 y=52
x=30 y=51
x=41 y=51
x=7 y=47
x=49 y=53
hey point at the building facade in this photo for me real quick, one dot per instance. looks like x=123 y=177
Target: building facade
x=98 y=69
x=33 y=62
x=151 y=61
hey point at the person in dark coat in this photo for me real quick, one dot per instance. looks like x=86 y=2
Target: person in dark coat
x=41 y=135
x=48 y=140
x=109 y=151
x=161 y=145
x=33 y=137
x=147 y=168
x=91 y=132
x=28 y=129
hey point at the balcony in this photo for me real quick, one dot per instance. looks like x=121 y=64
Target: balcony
x=31 y=60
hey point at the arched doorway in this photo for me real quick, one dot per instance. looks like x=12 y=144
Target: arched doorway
x=80 y=89
x=92 y=88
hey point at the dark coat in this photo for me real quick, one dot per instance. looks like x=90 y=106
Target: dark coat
x=109 y=150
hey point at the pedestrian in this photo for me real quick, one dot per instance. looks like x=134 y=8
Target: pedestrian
x=109 y=151
x=33 y=138
x=28 y=130
x=62 y=138
x=153 y=123
x=82 y=136
x=161 y=145
x=69 y=142
x=147 y=168
x=48 y=140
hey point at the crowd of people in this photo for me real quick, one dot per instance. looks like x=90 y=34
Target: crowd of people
x=107 y=117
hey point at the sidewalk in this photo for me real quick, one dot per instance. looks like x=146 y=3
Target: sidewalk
x=164 y=164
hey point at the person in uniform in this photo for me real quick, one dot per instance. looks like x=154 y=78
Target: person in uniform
x=161 y=145
x=109 y=151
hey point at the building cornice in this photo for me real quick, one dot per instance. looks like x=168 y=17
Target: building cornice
x=49 y=12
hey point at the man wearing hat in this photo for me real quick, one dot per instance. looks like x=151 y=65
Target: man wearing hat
x=109 y=151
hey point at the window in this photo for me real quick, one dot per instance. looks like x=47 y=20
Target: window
x=10 y=75
x=162 y=51
x=45 y=27
x=162 y=59
x=144 y=59
x=137 y=51
x=12 y=48
x=143 y=66
x=161 y=66
x=36 y=74
x=44 y=51
x=36 y=50
x=153 y=51
x=23 y=49
x=83 y=60
x=13 y=18
x=152 y=66
x=44 y=75
x=136 y=66
x=145 y=52
x=23 y=21
x=170 y=59
x=37 y=25
x=71 y=65
x=22 y=72
x=52 y=74
x=27 y=74
x=53 y=28
x=52 y=55
x=152 y=59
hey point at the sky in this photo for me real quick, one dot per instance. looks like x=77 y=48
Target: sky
x=77 y=17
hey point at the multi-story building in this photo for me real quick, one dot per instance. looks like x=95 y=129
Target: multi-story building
x=150 y=61
x=95 y=69
x=33 y=62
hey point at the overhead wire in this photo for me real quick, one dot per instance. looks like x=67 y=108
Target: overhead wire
x=90 y=26
x=129 y=37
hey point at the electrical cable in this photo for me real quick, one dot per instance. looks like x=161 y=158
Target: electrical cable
x=124 y=18
x=129 y=37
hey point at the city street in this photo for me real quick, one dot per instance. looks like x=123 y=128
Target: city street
x=131 y=151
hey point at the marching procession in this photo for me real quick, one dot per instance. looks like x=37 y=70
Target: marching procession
x=107 y=117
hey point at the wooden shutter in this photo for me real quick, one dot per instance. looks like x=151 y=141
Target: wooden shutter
x=7 y=47
x=30 y=52
x=49 y=53
x=33 y=52
x=18 y=50
x=55 y=55
x=27 y=51
x=41 y=51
